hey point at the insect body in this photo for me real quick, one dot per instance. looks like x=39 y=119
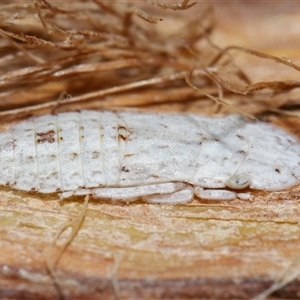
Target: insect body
x=163 y=158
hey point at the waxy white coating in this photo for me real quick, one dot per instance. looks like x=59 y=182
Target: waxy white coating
x=162 y=158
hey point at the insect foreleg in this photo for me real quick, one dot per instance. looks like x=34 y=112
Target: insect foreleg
x=219 y=194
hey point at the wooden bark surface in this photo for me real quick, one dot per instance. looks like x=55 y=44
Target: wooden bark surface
x=204 y=250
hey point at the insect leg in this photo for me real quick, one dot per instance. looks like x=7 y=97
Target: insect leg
x=182 y=196
x=214 y=194
x=133 y=193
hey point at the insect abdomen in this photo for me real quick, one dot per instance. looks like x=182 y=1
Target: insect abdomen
x=61 y=152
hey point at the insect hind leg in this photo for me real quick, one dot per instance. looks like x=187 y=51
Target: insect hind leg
x=170 y=192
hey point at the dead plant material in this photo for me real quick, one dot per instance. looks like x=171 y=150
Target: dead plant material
x=94 y=51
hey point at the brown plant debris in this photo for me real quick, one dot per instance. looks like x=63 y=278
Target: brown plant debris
x=95 y=51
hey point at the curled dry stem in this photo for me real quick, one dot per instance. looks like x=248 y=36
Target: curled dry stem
x=97 y=49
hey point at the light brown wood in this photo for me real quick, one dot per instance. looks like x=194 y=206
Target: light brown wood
x=200 y=250
x=204 y=250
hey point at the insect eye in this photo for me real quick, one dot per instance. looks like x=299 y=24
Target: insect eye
x=239 y=181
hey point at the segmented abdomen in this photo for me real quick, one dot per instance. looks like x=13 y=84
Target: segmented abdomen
x=61 y=152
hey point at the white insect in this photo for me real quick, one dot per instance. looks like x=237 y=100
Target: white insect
x=161 y=158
